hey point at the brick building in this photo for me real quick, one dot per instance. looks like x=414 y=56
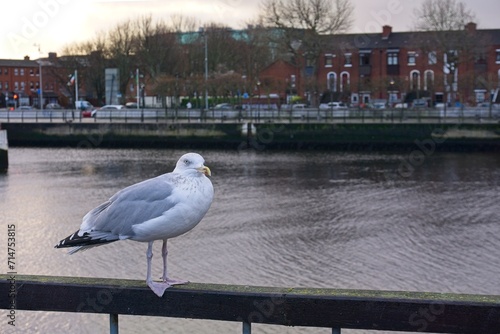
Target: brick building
x=20 y=82
x=397 y=67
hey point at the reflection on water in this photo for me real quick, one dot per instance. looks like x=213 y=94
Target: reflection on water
x=294 y=219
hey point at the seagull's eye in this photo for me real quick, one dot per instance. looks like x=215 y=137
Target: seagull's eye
x=186 y=162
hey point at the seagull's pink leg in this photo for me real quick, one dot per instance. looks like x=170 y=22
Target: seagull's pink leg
x=164 y=253
x=157 y=287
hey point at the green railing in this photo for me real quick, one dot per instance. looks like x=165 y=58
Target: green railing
x=327 y=308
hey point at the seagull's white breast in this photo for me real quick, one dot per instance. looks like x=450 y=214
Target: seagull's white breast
x=192 y=197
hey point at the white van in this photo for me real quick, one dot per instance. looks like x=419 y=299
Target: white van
x=83 y=105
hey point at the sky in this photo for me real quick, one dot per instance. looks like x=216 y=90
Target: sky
x=37 y=27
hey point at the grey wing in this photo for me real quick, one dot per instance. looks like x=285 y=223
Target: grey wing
x=133 y=205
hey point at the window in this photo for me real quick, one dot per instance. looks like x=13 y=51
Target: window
x=497 y=58
x=6 y=71
x=392 y=58
x=415 y=80
x=328 y=60
x=412 y=58
x=16 y=85
x=332 y=82
x=348 y=59
x=16 y=71
x=345 y=81
x=32 y=72
x=364 y=59
x=6 y=85
x=23 y=84
x=480 y=58
x=22 y=71
x=0 y=85
x=310 y=66
x=432 y=58
x=428 y=80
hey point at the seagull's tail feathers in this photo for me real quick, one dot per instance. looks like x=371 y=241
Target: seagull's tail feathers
x=86 y=240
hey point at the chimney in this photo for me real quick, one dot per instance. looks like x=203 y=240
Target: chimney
x=52 y=56
x=26 y=57
x=471 y=27
x=386 y=31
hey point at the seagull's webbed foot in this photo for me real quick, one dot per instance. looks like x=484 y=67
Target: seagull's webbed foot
x=158 y=287
x=172 y=281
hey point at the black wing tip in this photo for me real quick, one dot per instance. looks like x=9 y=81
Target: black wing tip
x=75 y=240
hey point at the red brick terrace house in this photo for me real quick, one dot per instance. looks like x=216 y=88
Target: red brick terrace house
x=21 y=79
x=282 y=78
x=397 y=66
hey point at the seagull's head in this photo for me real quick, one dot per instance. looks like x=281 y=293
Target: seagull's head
x=192 y=163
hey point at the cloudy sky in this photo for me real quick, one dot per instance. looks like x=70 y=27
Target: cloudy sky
x=51 y=24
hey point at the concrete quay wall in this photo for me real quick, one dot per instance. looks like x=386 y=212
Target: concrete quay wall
x=257 y=136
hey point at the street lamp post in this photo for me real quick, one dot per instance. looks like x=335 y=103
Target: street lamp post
x=203 y=31
x=137 y=87
x=206 y=72
x=258 y=100
x=40 y=89
x=40 y=97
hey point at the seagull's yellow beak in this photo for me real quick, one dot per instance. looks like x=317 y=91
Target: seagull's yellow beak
x=205 y=170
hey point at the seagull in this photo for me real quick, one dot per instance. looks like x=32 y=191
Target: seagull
x=160 y=208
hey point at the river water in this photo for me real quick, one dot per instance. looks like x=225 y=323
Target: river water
x=346 y=220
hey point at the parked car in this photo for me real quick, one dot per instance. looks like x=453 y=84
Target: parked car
x=401 y=105
x=112 y=107
x=378 y=104
x=298 y=106
x=332 y=105
x=108 y=107
x=89 y=113
x=25 y=108
x=53 y=106
x=223 y=106
x=131 y=105
x=420 y=103
x=83 y=105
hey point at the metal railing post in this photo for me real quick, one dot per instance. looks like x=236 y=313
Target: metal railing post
x=113 y=324
x=247 y=328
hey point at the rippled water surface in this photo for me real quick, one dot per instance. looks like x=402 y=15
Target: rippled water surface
x=290 y=219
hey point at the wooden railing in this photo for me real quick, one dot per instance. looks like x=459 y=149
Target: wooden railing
x=329 y=308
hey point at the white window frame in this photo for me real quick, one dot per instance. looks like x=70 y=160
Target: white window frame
x=348 y=56
x=334 y=81
x=432 y=58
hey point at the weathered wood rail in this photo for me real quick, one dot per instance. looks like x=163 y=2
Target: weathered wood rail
x=330 y=308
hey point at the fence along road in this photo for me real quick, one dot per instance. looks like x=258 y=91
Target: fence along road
x=257 y=115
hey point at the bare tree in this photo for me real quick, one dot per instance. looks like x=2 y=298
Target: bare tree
x=300 y=25
x=451 y=34
x=181 y=23
x=442 y=15
x=90 y=59
x=120 y=48
x=257 y=52
x=319 y=16
x=156 y=47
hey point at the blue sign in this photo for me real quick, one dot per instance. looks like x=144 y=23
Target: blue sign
x=245 y=95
